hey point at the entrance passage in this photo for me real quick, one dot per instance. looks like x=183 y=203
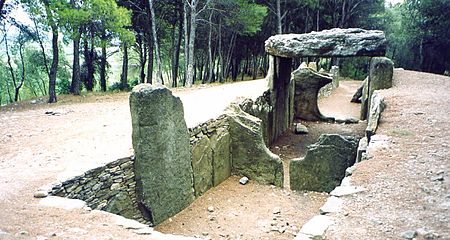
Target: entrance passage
x=256 y=211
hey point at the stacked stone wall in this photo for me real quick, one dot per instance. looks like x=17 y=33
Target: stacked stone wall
x=111 y=188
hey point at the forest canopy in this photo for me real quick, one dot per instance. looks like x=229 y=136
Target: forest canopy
x=51 y=47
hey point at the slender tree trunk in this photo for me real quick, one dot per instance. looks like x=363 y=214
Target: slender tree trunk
x=124 y=74
x=318 y=20
x=219 y=52
x=103 y=65
x=10 y=67
x=279 y=22
x=176 y=46
x=210 y=59
x=44 y=56
x=343 y=14
x=17 y=94
x=193 y=21
x=54 y=66
x=186 y=40
x=150 y=61
x=76 y=78
x=159 y=76
x=307 y=20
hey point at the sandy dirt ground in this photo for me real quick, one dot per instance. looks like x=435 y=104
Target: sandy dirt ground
x=408 y=181
x=406 y=190
x=79 y=133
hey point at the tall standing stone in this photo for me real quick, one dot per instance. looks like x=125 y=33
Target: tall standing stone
x=380 y=77
x=161 y=144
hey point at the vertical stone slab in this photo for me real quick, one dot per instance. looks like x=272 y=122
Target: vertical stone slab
x=250 y=156
x=380 y=77
x=202 y=164
x=324 y=165
x=161 y=143
x=281 y=87
x=220 y=144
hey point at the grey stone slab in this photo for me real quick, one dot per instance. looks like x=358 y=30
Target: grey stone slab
x=317 y=226
x=328 y=43
x=332 y=205
x=342 y=191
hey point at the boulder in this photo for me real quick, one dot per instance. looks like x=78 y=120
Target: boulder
x=250 y=156
x=328 y=43
x=162 y=152
x=324 y=165
x=380 y=73
x=307 y=86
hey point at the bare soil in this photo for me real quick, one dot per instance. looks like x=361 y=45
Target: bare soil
x=408 y=181
x=404 y=193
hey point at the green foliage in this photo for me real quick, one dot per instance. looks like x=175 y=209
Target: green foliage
x=249 y=17
x=354 y=68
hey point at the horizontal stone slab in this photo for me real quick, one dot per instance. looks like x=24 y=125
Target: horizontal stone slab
x=328 y=43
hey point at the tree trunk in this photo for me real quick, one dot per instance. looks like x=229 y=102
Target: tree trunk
x=44 y=56
x=103 y=65
x=318 y=20
x=17 y=93
x=55 y=54
x=176 y=46
x=193 y=21
x=54 y=66
x=279 y=23
x=150 y=61
x=124 y=74
x=219 y=52
x=159 y=77
x=8 y=59
x=89 y=53
x=186 y=39
x=76 y=78
x=210 y=59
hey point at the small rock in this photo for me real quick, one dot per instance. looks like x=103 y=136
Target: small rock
x=438 y=177
x=23 y=233
x=277 y=210
x=244 y=180
x=410 y=234
x=41 y=238
x=205 y=233
x=3 y=233
x=40 y=194
x=210 y=209
x=300 y=129
x=144 y=231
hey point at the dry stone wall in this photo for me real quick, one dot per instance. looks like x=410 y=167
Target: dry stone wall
x=111 y=188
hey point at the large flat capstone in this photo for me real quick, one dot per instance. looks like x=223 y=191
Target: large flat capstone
x=161 y=144
x=328 y=43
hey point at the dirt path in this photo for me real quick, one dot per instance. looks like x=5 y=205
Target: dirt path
x=408 y=181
